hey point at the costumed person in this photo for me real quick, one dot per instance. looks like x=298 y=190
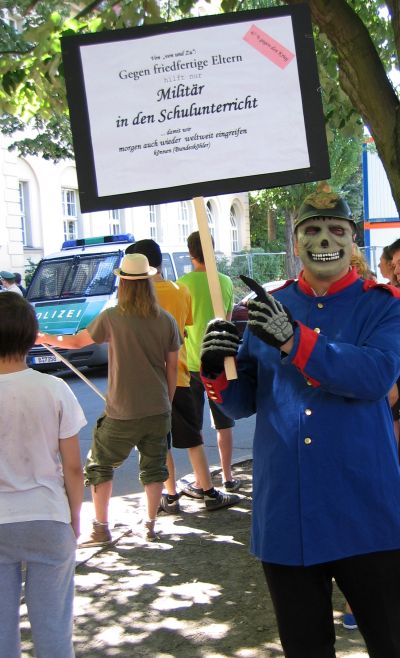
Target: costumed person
x=202 y=309
x=185 y=433
x=142 y=367
x=318 y=358
x=41 y=491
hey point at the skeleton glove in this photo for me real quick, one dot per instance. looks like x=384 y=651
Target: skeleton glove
x=269 y=320
x=220 y=340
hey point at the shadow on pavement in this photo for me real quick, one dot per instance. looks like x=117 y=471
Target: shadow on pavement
x=195 y=593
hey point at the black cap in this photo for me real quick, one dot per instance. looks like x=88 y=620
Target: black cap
x=149 y=248
x=323 y=203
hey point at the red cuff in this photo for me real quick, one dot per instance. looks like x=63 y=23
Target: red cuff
x=308 y=338
x=215 y=386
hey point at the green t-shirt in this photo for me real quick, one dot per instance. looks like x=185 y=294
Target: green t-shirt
x=202 y=311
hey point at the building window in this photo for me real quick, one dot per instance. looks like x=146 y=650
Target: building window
x=183 y=221
x=234 y=230
x=114 y=221
x=211 y=219
x=70 y=214
x=24 y=212
x=153 y=222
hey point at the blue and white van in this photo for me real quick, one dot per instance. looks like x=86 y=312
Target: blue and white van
x=70 y=287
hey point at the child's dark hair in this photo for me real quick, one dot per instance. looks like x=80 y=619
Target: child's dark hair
x=18 y=325
x=194 y=246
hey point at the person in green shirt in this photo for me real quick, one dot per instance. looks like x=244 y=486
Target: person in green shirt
x=202 y=311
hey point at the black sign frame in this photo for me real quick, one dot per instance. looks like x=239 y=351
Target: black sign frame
x=314 y=121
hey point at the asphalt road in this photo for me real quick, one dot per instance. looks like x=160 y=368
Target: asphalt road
x=126 y=479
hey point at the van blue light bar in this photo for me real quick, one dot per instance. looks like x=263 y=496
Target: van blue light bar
x=103 y=239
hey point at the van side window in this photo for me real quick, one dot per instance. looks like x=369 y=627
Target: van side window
x=183 y=262
x=167 y=268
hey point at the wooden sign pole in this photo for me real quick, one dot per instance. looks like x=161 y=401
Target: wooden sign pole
x=212 y=274
x=75 y=370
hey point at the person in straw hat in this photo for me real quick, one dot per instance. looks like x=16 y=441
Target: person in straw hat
x=142 y=368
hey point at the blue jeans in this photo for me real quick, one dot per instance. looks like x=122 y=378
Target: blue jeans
x=48 y=548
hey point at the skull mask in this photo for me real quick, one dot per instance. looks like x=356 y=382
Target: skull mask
x=325 y=246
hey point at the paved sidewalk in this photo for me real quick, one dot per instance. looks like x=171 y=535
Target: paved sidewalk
x=195 y=593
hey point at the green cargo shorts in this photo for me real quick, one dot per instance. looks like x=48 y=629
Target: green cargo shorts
x=113 y=441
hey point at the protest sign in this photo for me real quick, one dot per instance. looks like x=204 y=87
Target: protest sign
x=202 y=106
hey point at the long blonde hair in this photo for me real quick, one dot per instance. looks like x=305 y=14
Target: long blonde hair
x=358 y=261
x=137 y=297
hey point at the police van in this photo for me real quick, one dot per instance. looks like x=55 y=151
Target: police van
x=70 y=287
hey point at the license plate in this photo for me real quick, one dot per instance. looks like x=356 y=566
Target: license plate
x=45 y=359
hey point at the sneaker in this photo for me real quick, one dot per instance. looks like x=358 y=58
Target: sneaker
x=349 y=621
x=167 y=506
x=232 y=485
x=149 y=533
x=192 y=491
x=220 y=500
x=100 y=536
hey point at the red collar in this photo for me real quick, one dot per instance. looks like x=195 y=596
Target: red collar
x=337 y=286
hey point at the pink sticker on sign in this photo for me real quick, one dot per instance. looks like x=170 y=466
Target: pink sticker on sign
x=268 y=47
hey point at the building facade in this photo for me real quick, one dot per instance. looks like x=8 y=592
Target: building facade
x=39 y=209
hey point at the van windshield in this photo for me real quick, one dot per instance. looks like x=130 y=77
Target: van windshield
x=74 y=276
x=183 y=262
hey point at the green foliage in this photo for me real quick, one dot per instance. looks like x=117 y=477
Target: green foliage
x=256 y=264
x=345 y=159
x=29 y=271
x=51 y=139
x=32 y=85
x=32 y=90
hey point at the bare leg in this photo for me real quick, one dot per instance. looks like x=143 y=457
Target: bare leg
x=101 y=494
x=170 y=484
x=153 y=497
x=225 y=447
x=198 y=459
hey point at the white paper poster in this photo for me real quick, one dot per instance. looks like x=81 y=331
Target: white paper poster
x=176 y=109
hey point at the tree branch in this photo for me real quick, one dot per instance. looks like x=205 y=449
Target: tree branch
x=86 y=10
x=363 y=77
x=394 y=9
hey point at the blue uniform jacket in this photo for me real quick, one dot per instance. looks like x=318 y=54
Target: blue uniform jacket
x=325 y=471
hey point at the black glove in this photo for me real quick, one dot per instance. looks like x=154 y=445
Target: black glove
x=220 y=340
x=268 y=318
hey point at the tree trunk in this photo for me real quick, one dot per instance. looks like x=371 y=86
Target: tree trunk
x=271 y=225
x=363 y=78
x=293 y=264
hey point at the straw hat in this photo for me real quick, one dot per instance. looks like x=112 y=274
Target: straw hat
x=134 y=267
